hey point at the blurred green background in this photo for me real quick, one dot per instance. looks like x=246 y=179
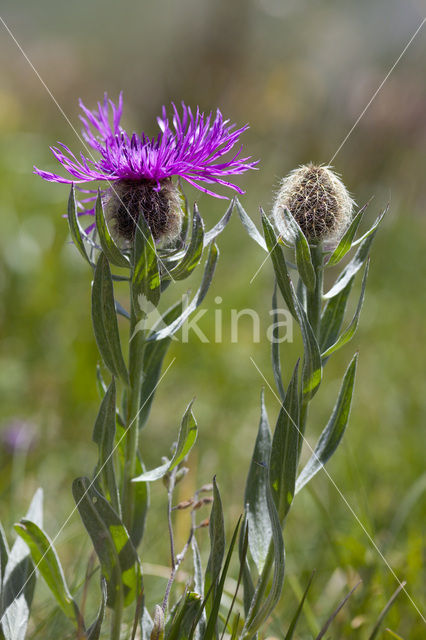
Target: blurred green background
x=300 y=73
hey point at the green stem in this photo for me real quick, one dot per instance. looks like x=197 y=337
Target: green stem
x=136 y=347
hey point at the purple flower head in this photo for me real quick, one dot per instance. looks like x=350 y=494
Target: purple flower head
x=191 y=146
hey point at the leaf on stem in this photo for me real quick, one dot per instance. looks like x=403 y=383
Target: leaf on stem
x=285 y=448
x=105 y=320
x=349 y=332
x=117 y=555
x=332 y=317
x=186 y=439
x=302 y=250
x=194 y=251
x=46 y=559
x=279 y=263
x=217 y=549
x=77 y=233
x=312 y=365
x=249 y=226
x=257 y=486
x=275 y=347
x=107 y=243
x=213 y=233
x=145 y=273
x=333 y=432
x=94 y=631
x=345 y=243
x=104 y=437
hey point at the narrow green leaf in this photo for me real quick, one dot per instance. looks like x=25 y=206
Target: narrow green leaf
x=118 y=558
x=285 y=448
x=46 y=559
x=217 y=548
x=275 y=347
x=105 y=320
x=357 y=261
x=19 y=580
x=77 y=233
x=261 y=612
x=108 y=245
x=345 y=243
x=332 y=317
x=333 y=432
x=174 y=326
x=213 y=615
x=104 y=437
x=213 y=233
x=94 y=631
x=194 y=251
x=145 y=273
x=255 y=499
x=295 y=619
x=349 y=332
x=394 y=635
x=181 y=625
x=312 y=365
x=248 y=585
x=279 y=264
x=249 y=226
x=303 y=253
x=372 y=228
x=186 y=440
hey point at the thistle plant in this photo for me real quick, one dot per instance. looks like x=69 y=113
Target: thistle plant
x=142 y=237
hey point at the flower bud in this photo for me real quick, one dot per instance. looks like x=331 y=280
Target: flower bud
x=319 y=202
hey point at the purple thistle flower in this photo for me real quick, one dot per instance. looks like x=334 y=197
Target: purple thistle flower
x=139 y=169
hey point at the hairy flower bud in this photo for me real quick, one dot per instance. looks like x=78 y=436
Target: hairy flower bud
x=318 y=200
x=127 y=200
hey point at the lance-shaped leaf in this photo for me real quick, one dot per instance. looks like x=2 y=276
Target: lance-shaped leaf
x=46 y=559
x=312 y=366
x=279 y=264
x=255 y=499
x=194 y=251
x=217 y=549
x=285 y=448
x=213 y=233
x=105 y=320
x=357 y=261
x=117 y=555
x=174 y=326
x=301 y=247
x=346 y=240
x=372 y=229
x=19 y=580
x=94 y=631
x=213 y=614
x=332 y=317
x=107 y=243
x=260 y=612
x=249 y=226
x=247 y=580
x=186 y=439
x=333 y=432
x=349 y=332
x=145 y=273
x=141 y=504
x=77 y=233
x=104 y=437
x=179 y=627
x=275 y=347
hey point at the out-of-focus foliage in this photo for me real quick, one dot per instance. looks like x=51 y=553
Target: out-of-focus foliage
x=300 y=74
